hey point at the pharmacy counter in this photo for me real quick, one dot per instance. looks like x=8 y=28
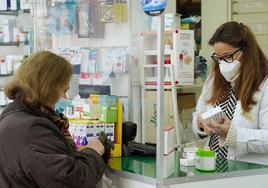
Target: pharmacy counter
x=137 y=171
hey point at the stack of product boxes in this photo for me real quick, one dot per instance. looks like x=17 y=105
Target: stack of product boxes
x=172 y=21
x=84 y=130
x=108 y=108
x=103 y=109
x=183 y=42
x=169 y=153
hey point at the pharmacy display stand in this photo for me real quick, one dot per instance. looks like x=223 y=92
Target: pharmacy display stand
x=149 y=84
x=85 y=123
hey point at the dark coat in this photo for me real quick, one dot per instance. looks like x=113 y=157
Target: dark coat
x=34 y=153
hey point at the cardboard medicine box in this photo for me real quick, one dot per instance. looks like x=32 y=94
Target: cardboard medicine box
x=183 y=42
x=108 y=105
x=94 y=106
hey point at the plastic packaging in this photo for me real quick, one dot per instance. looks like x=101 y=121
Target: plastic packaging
x=215 y=114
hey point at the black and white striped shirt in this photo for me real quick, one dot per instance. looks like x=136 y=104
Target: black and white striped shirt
x=228 y=107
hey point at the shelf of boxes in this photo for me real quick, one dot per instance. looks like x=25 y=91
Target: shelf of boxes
x=15 y=37
x=175 y=54
x=83 y=129
x=14 y=43
x=14 y=12
x=154 y=52
x=149 y=86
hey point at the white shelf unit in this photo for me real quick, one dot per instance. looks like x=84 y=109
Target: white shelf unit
x=24 y=21
x=149 y=86
x=154 y=52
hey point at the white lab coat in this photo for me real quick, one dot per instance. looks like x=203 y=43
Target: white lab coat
x=251 y=141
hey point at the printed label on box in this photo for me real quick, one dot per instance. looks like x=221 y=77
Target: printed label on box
x=184 y=43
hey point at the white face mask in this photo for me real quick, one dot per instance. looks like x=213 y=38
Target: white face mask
x=229 y=70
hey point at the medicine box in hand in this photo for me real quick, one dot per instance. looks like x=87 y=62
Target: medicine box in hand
x=216 y=114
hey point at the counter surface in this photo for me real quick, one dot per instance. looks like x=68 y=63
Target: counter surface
x=144 y=169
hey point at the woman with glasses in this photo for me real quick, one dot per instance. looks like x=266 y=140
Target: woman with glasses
x=238 y=85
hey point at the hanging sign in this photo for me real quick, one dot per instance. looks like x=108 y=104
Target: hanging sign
x=153 y=7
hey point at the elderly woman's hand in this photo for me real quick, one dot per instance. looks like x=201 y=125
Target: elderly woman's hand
x=95 y=144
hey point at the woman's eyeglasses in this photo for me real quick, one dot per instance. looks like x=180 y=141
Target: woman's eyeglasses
x=227 y=58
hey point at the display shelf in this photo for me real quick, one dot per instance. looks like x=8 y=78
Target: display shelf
x=28 y=11
x=13 y=12
x=154 y=52
x=9 y=12
x=14 y=43
x=153 y=86
x=153 y=33
x=149 y=83
x=150 y=66
x=199 y=85
x=180 y=89
x=176 y=77
x=117 y=151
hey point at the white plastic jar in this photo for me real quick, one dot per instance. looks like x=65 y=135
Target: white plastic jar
x=205 y=160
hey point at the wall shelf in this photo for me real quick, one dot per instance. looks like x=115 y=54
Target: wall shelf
x=13 y=12
x=154 y=52
x=153 y=33
x=14 y=43
x=9 y=12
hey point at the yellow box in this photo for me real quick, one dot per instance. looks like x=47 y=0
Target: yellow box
x=117 y=150
x=116 y=163
x=187 y=26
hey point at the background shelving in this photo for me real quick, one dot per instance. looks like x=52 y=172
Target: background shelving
x=14 y=12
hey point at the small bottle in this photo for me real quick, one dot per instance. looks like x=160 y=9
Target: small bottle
x=16 y=34
x=181 y=56
x=84 y=141
x=167 y=76
x=78 y=143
